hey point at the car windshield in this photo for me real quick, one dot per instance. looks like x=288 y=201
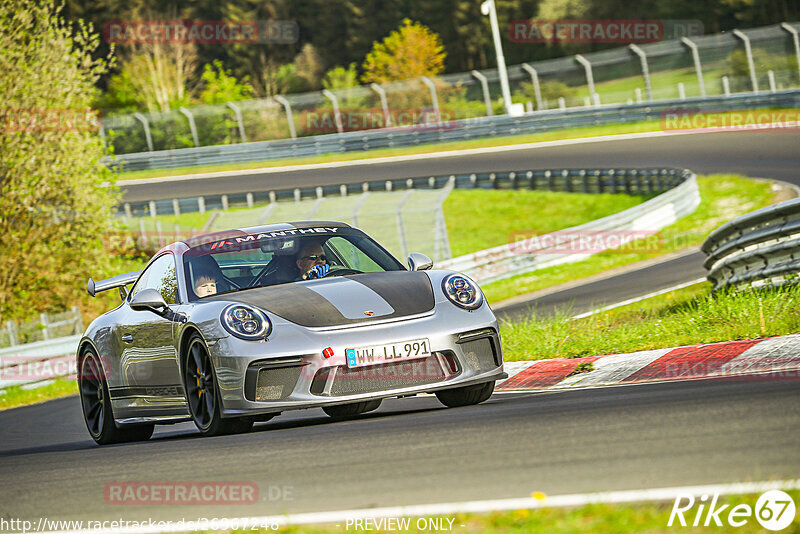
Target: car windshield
x=243 y=260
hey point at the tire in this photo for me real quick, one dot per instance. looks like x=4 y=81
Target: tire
x=465 y=396
x=202 y=393
x=96 y=405
x=349 y=410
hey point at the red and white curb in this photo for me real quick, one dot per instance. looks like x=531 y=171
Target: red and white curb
x=731 y=358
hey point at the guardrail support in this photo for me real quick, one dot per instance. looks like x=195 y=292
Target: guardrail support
x=288 y=108
x=645 y=70
x=337 y=116
x=796 y=40
x=434 y=98
x=726 y=86
x=588 y=68
x=238 y=113
x=537 y=90
x=749 y=52
x=698 y=67
x=771 y=77
x=149 y=138
x=192 y=125
x=384 y=103
x=485 y=86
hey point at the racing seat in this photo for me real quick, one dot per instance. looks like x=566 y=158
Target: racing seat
x=205 y=266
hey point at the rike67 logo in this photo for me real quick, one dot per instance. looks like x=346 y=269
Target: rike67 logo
x=774 y=511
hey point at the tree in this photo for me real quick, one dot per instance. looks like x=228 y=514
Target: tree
x=340 y=77
x=220 y=86
x=55 y=208
x=409 y=52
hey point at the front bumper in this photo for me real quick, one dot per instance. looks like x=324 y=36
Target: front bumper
x=290 y=372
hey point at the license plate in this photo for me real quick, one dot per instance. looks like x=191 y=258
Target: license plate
x=404 y=350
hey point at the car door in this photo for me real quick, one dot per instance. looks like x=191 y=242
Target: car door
x=149 y=360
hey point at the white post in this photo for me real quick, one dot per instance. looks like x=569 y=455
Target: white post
x=176 y=207
x=562 y=104
x=638 y=93
x=384 y=103
x=793 y=31
x=588 y=68
x=192 y=125
x=749 y=52
x=224 y=199
x=645 y=70
x=288 y=107
x=537 y=90
x=238 y=113
x=771 y=76
x=681 y=91
x=434 y=98
x=249 y=200
x=488 y=8
x=336 y=114
x=141 y=118
x=698 y=67
x=152 y=205
x=726 y=86
x=46 y=323
x=485 y=87
x=201 y=204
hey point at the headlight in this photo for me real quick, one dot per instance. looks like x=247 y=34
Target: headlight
x=246 y=322
x=462 y=291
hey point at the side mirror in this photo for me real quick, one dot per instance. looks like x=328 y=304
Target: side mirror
x=149 y=300
x=419 y=262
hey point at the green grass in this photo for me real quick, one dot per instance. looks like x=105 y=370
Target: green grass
x=723 y=197
x=480 y=219
x=684 y=317
x=651 y=517
x=571 y=133
x=20 y=396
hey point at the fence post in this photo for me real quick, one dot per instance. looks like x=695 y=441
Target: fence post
x=192 y=125
x=201 y=204
x=726 y=86
x=384 y=104
x=153 y=211
x=127 y=208
x=562 y=103
x=238 y=113
x=12 y=333
x=249 y=200
x=698 y=67
x=288 y=108
x=645 y=70
x=336 y=113
x=78 y=320
x=771 y=76
x=146 y=125
x=176 y=207
x=681 y=91
x=46 y=322
x=749 y=51
x=795 y=41
x=434 y=99
x=537 y=90
x=485 y=87
x=224 y=199
x=588 y=68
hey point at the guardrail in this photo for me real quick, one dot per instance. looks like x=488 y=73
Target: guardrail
x=761 y=248
x=515 y=258
x=39 y=361
x=49 y=325
x=458 y=130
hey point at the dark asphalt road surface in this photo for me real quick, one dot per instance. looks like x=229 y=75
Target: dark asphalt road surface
x=765 y=154
x=414 y=451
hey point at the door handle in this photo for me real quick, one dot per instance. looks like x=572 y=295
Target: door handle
x=127 y=338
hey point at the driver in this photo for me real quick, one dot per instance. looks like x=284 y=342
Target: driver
x=311 y=261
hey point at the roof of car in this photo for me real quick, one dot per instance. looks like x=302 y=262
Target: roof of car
x=263 y=229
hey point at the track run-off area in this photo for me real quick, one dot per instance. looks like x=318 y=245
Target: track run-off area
x=415 y=452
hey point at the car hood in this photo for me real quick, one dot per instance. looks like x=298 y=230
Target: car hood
x=342 y=300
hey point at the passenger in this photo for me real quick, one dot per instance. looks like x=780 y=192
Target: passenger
x=205 y=285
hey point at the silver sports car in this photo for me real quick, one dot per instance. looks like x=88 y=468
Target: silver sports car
x=231 y=328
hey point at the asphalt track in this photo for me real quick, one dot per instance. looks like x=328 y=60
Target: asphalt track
x=414 y=451
x=762 y=153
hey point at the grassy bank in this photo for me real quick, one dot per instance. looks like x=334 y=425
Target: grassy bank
x=23 y=395
x=723 y=197
x=571 y=133
x=684 y=317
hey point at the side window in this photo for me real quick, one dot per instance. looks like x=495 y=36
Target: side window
x=161 y=276
x=353 y=256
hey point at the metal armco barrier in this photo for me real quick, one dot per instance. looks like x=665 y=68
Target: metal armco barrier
x=39 y=361
x=515 y=258
x=465 y=129
x=761 y=248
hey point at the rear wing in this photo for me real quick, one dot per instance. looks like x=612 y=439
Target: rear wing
x=121 y=280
